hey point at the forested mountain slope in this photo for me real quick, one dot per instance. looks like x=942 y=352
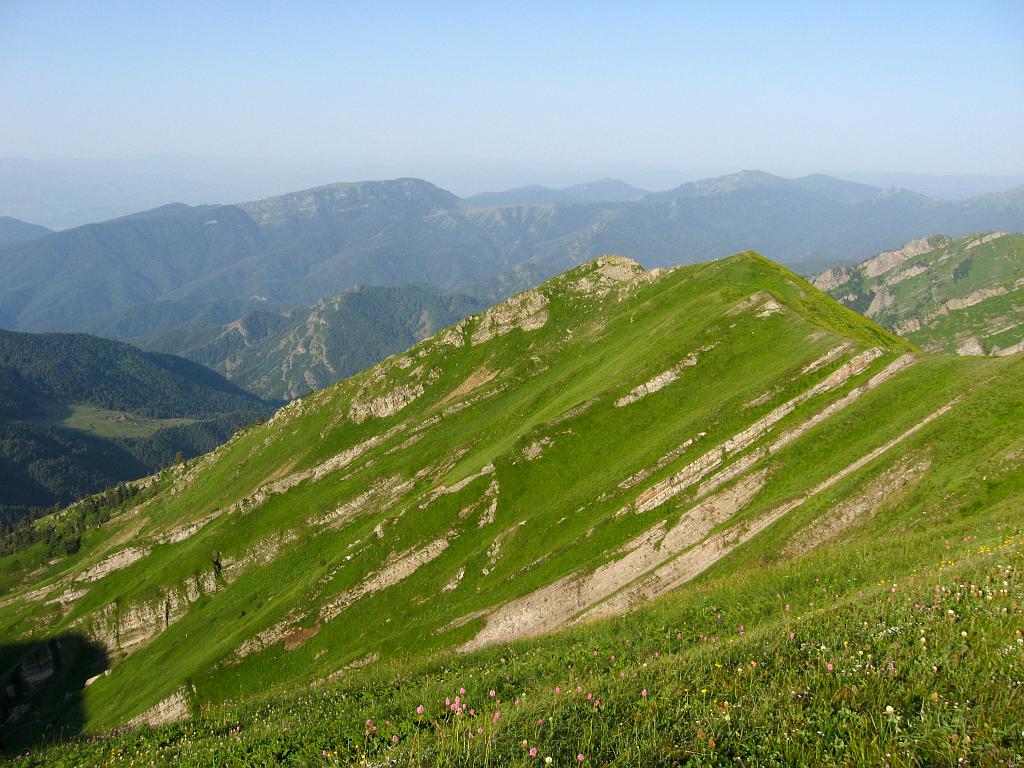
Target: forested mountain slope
x=290 y=354
x=17 y=231
x=79 y=414
x=295 y=249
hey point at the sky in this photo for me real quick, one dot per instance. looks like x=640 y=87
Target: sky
x=490 y=95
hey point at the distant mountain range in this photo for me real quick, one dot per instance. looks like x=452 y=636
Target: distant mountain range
x=601 y=191
x=962 y=296
x=79 y=414
x=289 y=354
x=18 y=231
x=295 y=249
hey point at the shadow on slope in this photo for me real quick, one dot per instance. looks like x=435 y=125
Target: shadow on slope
x=43 y=686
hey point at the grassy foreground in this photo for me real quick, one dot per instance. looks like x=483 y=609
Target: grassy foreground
x=903 y=651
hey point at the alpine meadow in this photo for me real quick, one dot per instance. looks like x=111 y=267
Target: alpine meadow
x=399 y=386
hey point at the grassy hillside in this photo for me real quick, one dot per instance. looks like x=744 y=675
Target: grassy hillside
x=721 y=439
x=79 y=414
x=288 y=355
x=961 y=296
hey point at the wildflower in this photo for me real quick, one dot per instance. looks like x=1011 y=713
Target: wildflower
x=394 y=739
x=491 y=693
x=479 y=730
x=419 y=710
x=496 y=717
x=579 y=758
x=547 y=760
x=558 y=689
x=533 y=751
x=643 y=693
x=462 y=691
x=829 y=666
x=888 y=709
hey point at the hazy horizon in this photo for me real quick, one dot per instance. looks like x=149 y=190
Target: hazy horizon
x=478 y=99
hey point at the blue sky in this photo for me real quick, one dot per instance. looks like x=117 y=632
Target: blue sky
x=560 y=91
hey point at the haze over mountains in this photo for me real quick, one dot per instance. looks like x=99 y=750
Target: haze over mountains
x=17 y=231
x=601 y=191
x=295 y=249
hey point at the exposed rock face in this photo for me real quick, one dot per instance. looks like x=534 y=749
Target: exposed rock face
x=887 y=260
x=883 y=491
x=984 y=239
x=975 y=297
x=115 y=562
x=883 y=299
x=832 y=278
x=385 y=405
x=402 y=567
x=170 y=710
x=527 y=311
x=659 y=560
x=1010 y=350
x=609 y=271
x=970 y=346
x=662 y=380
x=916 y=290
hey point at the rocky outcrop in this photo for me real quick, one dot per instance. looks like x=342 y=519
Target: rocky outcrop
x=385 y=405
x=883 y=299
x=887 y=260
x=115 y=562
x=984 y=239
x=663 y=379
x=170 y=710
x=526 y=311
x=401 y=567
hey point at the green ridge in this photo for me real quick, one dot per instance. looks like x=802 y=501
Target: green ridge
x=227 y=558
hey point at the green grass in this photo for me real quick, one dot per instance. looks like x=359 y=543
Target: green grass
x=103 y=422
x=564 y=513
x=906 y=652
x=951 y=271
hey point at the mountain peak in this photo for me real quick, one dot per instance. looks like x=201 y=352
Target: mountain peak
x=349 y=196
